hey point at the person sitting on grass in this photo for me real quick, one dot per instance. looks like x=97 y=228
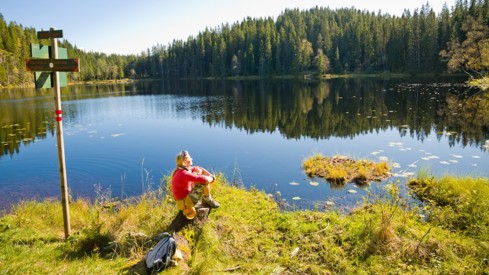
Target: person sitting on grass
x=191 y=184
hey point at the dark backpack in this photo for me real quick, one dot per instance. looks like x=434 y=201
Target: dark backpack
x=159 y=257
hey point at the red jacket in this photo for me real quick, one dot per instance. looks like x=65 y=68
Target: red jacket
x=181 y=182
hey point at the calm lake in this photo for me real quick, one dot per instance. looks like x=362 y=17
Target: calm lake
x=123 y=138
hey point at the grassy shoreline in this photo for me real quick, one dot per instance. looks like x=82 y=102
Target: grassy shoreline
x=250 y=234
x=302 y=76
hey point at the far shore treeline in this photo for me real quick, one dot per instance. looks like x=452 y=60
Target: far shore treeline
x=315 y=41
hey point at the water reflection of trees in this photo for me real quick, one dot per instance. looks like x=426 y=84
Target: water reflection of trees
x=338 y=108
x=20 y=121
x=27 y=115
x=467 y=118
x=347 y=108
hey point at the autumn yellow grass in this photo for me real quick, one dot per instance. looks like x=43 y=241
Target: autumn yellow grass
x=341 y=169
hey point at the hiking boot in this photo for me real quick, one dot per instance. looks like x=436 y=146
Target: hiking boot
x=210 y=202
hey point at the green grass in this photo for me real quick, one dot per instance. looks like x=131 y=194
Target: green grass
x=457 y=204
x=248 y=234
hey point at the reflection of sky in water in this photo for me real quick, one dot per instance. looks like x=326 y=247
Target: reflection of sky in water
x=128 y=143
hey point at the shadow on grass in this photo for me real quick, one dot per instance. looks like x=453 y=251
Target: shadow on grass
x=88 y=242
x=177 y=224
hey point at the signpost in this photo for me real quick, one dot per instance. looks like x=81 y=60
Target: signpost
x=44 y=79
x=55 y=65
x=52 y=33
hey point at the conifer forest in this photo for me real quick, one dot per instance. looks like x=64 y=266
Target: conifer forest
x=314 y=41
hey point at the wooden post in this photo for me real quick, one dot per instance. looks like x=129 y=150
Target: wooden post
x=54 y=65
x=60 y=141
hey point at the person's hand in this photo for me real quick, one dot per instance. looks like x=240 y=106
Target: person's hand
x=209 y=179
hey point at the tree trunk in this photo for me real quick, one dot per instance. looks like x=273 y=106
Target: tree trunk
x=180 y=221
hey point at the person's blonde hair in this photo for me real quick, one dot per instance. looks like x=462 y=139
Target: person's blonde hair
x=180 y=159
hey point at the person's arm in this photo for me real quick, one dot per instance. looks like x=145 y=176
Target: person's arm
x=189 y=176
x=205 y=172
x=202 y=171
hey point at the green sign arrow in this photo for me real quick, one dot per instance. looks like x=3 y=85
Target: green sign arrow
x=43 y=79
x=40 y=51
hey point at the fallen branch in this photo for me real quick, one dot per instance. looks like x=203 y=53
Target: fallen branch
x=232 y=268
x=226 y=270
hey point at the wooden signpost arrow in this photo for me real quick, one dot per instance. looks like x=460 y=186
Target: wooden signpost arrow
x=53 y=65
x=56 y=65
x=52 y=33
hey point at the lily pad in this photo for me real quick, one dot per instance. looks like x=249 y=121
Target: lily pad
x=314 y=183
x=329 y=203
x=413 y=165
x=404 y=174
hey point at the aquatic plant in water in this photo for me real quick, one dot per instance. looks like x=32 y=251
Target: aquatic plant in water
x=341 y=170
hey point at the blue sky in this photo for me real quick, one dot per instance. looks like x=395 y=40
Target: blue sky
x=130 y=27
